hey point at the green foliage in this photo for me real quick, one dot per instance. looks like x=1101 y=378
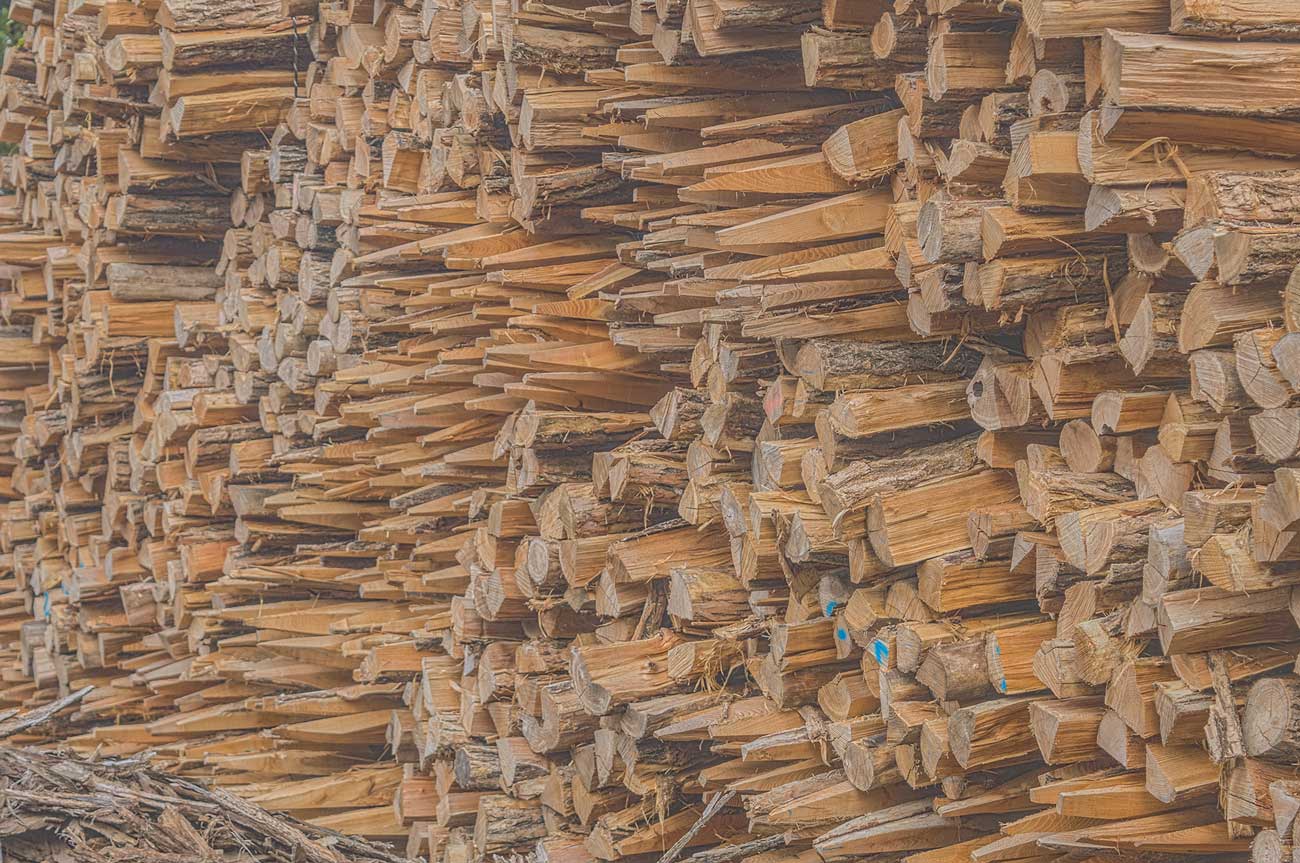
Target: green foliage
x=11 y=32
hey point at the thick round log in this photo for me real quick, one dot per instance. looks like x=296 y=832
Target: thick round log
x=1085 y=450
x=1270 y=724
x=900 y=39
x=1052 y=92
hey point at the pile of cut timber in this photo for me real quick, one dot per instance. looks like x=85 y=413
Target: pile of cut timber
x=68 y=810
x=708 y=431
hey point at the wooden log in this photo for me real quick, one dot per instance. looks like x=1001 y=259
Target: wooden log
x=973 y=745
x=134 y=282
x=1267 y=723
x=1186 y=618
x=1231 y=19
x=1057 y=19
x=1125 y=57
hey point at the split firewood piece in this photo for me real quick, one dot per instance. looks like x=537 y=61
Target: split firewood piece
x=1097 y=538
x=1147 y=209
x=1209 y=512
x=959 y=581
x=1000 y=395
x=1010 y=652
x=949 y=231
x=844 y=60
x=992 y=529
x=1153 y=332
x=606 y=677
x=1044 y=281
x=1005 y=231
x=1179 y=773
x=865 y=413
x=1086 y=451
x=898 y=538
x=1258 y=370
x=904 y=827
x=966 y=63
x=866 y=149
x=1045 y=173
x=1102 y=161
x=1192 y=620
x=974 y=747
x=857 y=486
x=1132 y=693
x=1053 y=491
x=1056 y=19
x=1126 y=54
x=1066 y=731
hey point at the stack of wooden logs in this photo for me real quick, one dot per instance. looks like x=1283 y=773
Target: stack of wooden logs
x=62 y=809
x=699 y=430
